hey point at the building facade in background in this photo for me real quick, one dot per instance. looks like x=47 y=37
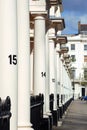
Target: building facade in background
x=78 y=51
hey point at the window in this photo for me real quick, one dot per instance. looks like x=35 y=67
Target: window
x=85 y=73
x=85 y=47
x=73 y=58
x=73 y=74
x=72 y=46
x=85 y=58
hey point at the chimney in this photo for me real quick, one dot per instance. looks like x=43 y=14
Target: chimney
x=79 y=27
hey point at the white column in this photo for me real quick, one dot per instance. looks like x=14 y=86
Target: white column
x=39 y=57
x=55 y=67
x=52 y=11
x=57 y=11
x=8 y=56
x=63 y=83
x=60 y=87
x=52 y=71
x=61 y=76
x=47 y=90
x=66 y=85
x=23 y=66
x=31 y=67
x=58 y=68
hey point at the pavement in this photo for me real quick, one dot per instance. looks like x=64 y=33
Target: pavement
x=75 y=118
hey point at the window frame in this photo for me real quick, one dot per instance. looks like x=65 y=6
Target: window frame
x=85 y=47
x=72 y=46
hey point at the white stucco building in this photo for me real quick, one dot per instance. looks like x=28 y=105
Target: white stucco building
x=77 y=44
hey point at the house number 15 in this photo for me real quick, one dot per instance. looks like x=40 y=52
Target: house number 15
x=12 y=59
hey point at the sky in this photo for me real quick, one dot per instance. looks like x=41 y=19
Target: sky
x=74 y=11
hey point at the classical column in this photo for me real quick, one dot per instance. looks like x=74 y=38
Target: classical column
x=57 y=11
x=23 y=66
x=52 y=11
x=47 y=90
x=39 y=57
x=8 y=56
x=52 y=71
x=63 y=83
x=31 y=67
x=55 y=67
x=60 y=87
x=61 y=77
x=58 y=67
x=67 y=85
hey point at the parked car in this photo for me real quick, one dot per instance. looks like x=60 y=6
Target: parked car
x=85 y=98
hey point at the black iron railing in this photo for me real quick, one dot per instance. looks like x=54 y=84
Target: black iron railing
x=51 y=101
x=36 y=110
x=5 y=114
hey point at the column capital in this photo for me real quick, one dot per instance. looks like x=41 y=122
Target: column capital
x=60 y=2
x=55 y=2
x=53 y=39
x=57 y=23
x=67 y=61
x=64 y=50
x=37 y=13
x=61 y=39
x=66 y=55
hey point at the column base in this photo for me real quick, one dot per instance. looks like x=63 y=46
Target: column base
x=45 y=123
x=55 y=117
x=60 y=123
x=58 y=110
x=61 y=111
x=25 y=127
x=51 y=119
